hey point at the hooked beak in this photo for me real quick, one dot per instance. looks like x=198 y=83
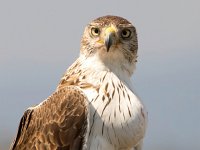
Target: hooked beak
x=109 y=37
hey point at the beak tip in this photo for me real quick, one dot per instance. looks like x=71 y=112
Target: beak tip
x=108 y=43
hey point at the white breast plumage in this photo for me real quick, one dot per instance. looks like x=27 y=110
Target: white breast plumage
x=117 y=116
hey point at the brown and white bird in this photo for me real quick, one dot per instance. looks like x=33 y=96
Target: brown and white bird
x=94 y=106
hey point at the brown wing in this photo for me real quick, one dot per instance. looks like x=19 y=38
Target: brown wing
x=60 y=122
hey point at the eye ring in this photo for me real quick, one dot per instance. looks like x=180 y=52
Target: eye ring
x=126 y=33
x=95 y=31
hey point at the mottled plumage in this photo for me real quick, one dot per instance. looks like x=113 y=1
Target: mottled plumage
x=93 y=107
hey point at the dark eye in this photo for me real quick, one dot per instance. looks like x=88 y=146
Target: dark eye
x=126 y=33
x=95 y=31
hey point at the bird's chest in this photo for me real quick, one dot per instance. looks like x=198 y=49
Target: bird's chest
x=116 y=116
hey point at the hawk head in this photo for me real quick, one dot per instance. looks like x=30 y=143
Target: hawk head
x=112 y=39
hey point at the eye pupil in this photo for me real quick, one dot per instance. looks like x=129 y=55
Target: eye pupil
x=124 y=32
x=96 y=30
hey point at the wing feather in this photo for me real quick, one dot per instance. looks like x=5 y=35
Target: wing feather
x=59 y=122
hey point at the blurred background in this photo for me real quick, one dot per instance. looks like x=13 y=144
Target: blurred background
x=39 y=40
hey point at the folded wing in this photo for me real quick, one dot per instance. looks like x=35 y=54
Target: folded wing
x=60 y=122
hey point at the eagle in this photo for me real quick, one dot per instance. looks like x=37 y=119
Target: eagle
x=94 y=106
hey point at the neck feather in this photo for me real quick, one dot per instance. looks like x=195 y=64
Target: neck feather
x=121 y=68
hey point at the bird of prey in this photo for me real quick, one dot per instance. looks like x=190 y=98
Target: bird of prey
x=94 y=106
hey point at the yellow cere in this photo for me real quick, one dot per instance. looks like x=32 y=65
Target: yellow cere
x=110 y=29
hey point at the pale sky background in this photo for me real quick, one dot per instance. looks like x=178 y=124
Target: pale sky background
x=39 y=40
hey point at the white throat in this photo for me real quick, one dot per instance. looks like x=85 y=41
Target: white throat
x=111 y=63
